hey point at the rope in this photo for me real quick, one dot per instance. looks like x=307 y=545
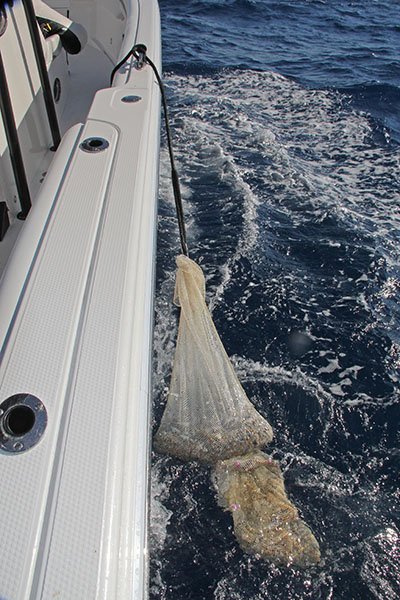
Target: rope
x=139 y=51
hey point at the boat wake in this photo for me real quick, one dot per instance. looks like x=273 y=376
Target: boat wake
x=291 y=199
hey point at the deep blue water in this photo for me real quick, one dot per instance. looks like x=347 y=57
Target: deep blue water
x=286 y=128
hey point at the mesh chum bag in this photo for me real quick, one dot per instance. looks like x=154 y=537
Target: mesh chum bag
x=265 y=521
x=208 y=416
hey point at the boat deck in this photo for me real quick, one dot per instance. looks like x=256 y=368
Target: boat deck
x=89 y=71
x=76 y=305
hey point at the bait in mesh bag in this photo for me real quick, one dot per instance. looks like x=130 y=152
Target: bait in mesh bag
x=265 y=521
x=208 y=416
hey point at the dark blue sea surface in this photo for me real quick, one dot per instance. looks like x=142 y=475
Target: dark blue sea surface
x=286 y=126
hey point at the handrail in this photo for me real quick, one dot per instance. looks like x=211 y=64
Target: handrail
x=43 y=74
x=13 y=144
x=8 y=118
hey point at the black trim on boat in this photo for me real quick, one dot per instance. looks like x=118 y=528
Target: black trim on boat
x=43 y=74
x=13 y=144
x=3 y=19
x=4 y=220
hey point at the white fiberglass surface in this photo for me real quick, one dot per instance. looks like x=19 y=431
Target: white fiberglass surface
x=89 y=71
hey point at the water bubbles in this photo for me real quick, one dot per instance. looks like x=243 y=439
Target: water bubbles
x=293 y=210
x=299 y=343
x=381 y=557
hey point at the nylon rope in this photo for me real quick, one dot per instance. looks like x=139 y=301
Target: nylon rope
x=139 y=51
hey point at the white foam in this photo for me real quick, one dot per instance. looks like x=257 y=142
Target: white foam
x=281 y=152
x=379 y=569
x=305 y=147
x=333 y=365
x=160 y=516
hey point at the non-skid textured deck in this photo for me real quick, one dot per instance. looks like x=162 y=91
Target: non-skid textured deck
x=81 y=342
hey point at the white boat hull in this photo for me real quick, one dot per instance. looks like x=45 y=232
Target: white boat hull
x=76 y=304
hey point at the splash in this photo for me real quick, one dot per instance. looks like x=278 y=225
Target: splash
x=293 y=211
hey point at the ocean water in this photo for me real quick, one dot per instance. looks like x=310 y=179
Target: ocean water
x=286 y=125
